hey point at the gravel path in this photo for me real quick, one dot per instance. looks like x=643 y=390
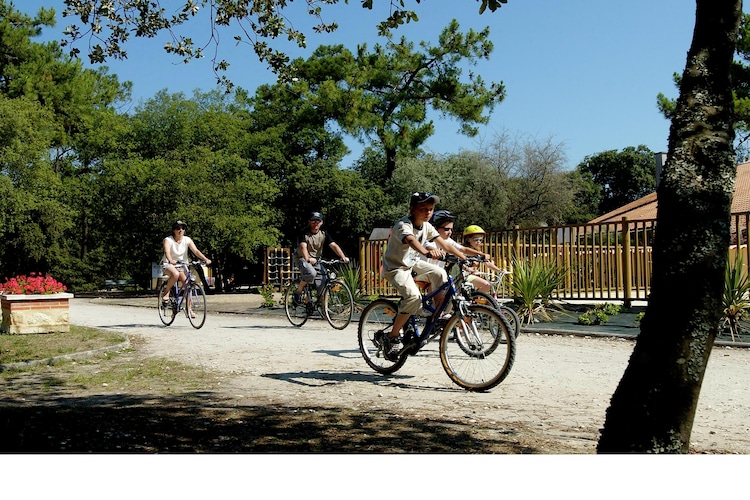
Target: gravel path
x=560 y=385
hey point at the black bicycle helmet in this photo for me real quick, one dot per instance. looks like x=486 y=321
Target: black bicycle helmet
x=441 y=216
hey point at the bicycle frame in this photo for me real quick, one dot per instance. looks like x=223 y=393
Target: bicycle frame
x=180 y=293
x=431 y=329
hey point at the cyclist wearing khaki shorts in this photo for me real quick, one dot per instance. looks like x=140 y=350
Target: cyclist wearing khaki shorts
x=401 y=262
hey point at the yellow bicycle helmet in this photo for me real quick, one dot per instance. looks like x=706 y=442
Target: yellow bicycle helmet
x=473 y=229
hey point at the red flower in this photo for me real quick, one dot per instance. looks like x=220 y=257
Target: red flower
x=32 y=284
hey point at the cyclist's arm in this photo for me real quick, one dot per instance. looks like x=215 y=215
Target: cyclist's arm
x=336 y=248
x=413 y=242
x=198 y=253
x=305 y=254
x=442 y=243
x=168 y=251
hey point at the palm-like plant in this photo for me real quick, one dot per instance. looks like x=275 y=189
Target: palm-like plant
x=736 y=298
x=532 y=286
x=351 y=276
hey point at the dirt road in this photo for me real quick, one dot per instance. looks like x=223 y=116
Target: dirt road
x=560 y=386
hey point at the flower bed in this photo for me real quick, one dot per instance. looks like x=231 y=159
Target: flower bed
x=34 y=304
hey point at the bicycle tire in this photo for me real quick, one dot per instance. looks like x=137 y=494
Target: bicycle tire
x=297 y=314
x=167 y=312
x=338 y=304
x=197 y=304
x=484 y=299
x=376 y=321
x=512 y=317
x=480 y=356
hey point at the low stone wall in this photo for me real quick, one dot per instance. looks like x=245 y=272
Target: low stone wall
x=35 y=313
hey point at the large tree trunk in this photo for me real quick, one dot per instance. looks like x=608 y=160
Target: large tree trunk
x=653 y=408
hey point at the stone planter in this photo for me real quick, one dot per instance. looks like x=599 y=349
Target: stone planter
x=35 y=313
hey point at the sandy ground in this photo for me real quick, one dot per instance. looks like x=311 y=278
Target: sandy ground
x=560 y=385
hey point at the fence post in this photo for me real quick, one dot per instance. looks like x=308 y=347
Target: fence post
x=363 y=265
x=627 y=279
x=516 y=242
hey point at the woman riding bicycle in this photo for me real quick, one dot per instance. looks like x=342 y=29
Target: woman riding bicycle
x=176 y=248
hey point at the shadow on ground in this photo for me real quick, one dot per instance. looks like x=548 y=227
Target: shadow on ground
x=197 y=422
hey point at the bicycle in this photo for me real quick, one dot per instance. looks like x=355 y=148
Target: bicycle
x=491 y=298
x=477 y=349
x=336 y=303
x=190 y=297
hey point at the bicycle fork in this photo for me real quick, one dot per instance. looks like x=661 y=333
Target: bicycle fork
x=466 y=329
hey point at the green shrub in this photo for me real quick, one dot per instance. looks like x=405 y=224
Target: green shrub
x=266 y=291
x=609 y=309
x=596 y=316
x=735 y=299
x=532 y=287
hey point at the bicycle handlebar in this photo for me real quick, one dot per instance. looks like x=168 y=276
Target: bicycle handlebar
x=329 y=262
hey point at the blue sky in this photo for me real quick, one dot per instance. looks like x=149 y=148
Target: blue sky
x=582 y=73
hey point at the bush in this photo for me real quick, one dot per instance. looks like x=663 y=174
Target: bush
x=532 y=287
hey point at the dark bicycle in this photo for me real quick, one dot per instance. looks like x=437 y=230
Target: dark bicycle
x=190 y=298
x=477 y=347
x=336 y=303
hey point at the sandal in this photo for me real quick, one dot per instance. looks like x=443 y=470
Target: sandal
x=192 y=314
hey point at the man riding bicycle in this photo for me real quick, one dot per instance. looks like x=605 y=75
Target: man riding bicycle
x=309 y=250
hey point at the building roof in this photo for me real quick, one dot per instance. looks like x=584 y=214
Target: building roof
x=645 y=208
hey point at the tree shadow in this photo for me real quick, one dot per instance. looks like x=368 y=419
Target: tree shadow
x=204 y=422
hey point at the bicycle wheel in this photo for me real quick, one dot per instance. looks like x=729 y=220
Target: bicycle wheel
x=484 y=299
x=197 y=305
x=296 y=313
x=375 y=322
x=338 y=304
x=478 y=351
x=512 y=318
x=168 y=310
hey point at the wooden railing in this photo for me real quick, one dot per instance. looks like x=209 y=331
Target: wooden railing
x=609 y=261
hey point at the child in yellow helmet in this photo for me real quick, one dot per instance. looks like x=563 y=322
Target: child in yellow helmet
x=473 y=237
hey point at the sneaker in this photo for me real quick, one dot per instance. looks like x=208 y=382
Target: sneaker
x=391 y=347
x=297 y=298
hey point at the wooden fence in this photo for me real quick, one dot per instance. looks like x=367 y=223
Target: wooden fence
x=608 y=261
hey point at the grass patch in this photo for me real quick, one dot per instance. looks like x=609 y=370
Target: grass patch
x=35 y=346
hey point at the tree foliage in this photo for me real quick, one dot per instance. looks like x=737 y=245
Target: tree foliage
x=740 y=78
x=383 y=96
x=108 y=25
x=621 y=176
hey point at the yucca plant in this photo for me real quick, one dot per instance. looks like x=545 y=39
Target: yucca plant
x=533 y=284
x=736 y=298
x=351 y=276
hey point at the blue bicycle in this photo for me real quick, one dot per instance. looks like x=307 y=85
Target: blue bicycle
x=191 y=298
x=477 y=345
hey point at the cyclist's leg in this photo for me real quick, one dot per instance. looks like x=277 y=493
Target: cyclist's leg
x=173 y=275
x=480 y=284
x=307 y=274
x=435 y=275
x=411 y=297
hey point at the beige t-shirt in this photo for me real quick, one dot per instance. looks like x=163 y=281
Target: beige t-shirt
x=399 y=254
